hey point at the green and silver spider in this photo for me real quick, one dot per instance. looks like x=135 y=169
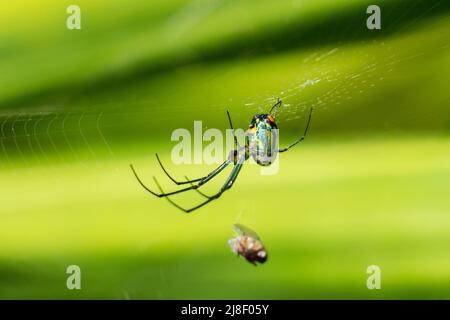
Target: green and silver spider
x=260 y=143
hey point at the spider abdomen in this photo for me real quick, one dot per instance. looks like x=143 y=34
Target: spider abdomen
x=262 y=139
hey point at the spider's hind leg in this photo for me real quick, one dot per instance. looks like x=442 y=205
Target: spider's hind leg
x=227 y=185
x=170 y=177
x=192 y=187
x=236 y=142
x=198 y=191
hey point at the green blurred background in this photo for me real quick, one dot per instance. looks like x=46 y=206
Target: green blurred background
x=370 y=184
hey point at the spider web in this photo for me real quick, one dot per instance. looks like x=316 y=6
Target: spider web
x=68 y=137
x=46 y=137
x=41 y=137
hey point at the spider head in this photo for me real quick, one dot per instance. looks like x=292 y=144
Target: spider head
x=263 y=120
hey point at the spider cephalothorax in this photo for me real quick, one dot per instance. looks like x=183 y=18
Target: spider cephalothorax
x=261 y=144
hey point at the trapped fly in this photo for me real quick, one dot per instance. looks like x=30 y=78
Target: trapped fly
x=248 y=244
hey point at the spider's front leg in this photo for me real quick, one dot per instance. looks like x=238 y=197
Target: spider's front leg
x=301 y=138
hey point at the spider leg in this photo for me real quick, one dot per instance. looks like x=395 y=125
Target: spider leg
x=227 y=185
x=302 y=137
x=198 y=191
x=185 y=182
x=276 y=105
x=192 y=187
x=236 y=143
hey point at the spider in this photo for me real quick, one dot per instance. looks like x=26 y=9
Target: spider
x=259 y=143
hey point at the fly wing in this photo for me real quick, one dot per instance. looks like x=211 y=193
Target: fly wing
x=243 y=230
